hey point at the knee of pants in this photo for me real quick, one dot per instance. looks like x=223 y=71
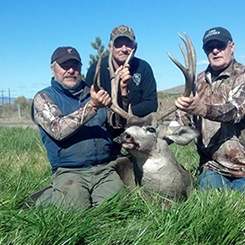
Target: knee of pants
x=70 y=190
x=238 y=184
x=210 y=179
x=72 y=195
x=106 y=188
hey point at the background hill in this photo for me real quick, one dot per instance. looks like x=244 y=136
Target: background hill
x=175 y=90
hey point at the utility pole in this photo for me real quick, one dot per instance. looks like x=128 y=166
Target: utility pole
x=2 y=97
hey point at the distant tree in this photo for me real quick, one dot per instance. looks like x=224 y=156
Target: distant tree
x=22 y=101
x=97 y=45
x=100 y=48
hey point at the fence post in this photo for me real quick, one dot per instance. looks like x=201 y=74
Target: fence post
x=19 y=112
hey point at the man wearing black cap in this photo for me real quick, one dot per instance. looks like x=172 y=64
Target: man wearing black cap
x=218 y=109
x=72 y=121
x=137 y=84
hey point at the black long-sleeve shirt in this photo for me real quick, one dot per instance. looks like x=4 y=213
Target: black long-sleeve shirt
x=142 y=92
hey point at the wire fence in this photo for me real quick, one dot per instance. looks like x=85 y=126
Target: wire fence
x=15 y=113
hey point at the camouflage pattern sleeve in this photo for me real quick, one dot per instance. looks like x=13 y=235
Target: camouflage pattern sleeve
x=50 y=118
x=233 y=110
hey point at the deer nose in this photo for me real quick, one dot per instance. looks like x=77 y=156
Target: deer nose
x=125 y=137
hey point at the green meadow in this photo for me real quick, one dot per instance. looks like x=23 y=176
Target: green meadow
x=213 y=217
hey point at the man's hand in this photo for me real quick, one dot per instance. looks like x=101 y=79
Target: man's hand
x=99 y=99
x=125 y=78
x=192 y=105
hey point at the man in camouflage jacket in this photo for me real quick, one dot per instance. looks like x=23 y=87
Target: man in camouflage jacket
x=218 y=109
x=72 y=120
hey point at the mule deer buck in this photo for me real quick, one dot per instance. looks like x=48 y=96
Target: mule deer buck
x=154 y=165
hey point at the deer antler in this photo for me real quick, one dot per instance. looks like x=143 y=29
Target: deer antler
x=115 y=79
x=96 y=79
x=190 y=62
x=189 y=71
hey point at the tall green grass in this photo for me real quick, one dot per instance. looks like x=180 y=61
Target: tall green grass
x=214 y=217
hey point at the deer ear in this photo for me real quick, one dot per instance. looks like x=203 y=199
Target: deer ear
x=182 y=135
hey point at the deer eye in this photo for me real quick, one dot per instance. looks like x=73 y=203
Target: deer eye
x=151 y=130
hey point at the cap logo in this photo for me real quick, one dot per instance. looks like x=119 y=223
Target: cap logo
x=122 y=29
x=212 y=32
x=69 y=50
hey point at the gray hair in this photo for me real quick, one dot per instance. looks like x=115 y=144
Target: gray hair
x=53 y=64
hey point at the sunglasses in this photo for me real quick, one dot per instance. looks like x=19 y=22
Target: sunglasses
x=75 y=65
x=210 y=47
x=119 y=42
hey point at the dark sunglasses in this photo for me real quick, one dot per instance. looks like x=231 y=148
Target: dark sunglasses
x=210 y=47
x=75 y=65
x=119 y=43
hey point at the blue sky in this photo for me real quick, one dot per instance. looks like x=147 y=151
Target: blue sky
x=31 y=30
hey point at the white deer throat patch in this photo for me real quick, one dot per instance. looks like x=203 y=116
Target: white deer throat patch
x=152 y=166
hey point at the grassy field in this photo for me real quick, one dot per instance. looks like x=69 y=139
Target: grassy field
x=214 y=217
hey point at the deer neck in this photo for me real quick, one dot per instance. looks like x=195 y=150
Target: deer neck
x=154 y=157
x=159 y=157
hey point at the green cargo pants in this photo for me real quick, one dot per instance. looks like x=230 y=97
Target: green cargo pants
x=81 y=188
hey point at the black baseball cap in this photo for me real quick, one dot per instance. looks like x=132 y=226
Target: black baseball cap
x=62 y=54
x=216 y=33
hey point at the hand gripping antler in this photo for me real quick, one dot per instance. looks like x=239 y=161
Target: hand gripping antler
x=115 y=80
x=189 y=71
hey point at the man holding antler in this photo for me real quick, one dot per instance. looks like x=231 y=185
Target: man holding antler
x=137 y=85
x=218 y=109
x=72 y=119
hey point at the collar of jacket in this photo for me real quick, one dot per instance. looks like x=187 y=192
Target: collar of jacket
x=81 y=92
x=223 y=73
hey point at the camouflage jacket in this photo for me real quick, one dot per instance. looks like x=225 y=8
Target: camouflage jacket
x=220 y=144
x=74 y=133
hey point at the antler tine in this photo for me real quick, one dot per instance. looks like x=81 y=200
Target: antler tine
x=185 y=56
x=189 y=71
x=115 y=79
x=112 y=74
x=96 y=79
x=192 y=56
x=129 y=57
x=190 y=61
x=192 y=50
x=97 y=87
x=161 y=115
